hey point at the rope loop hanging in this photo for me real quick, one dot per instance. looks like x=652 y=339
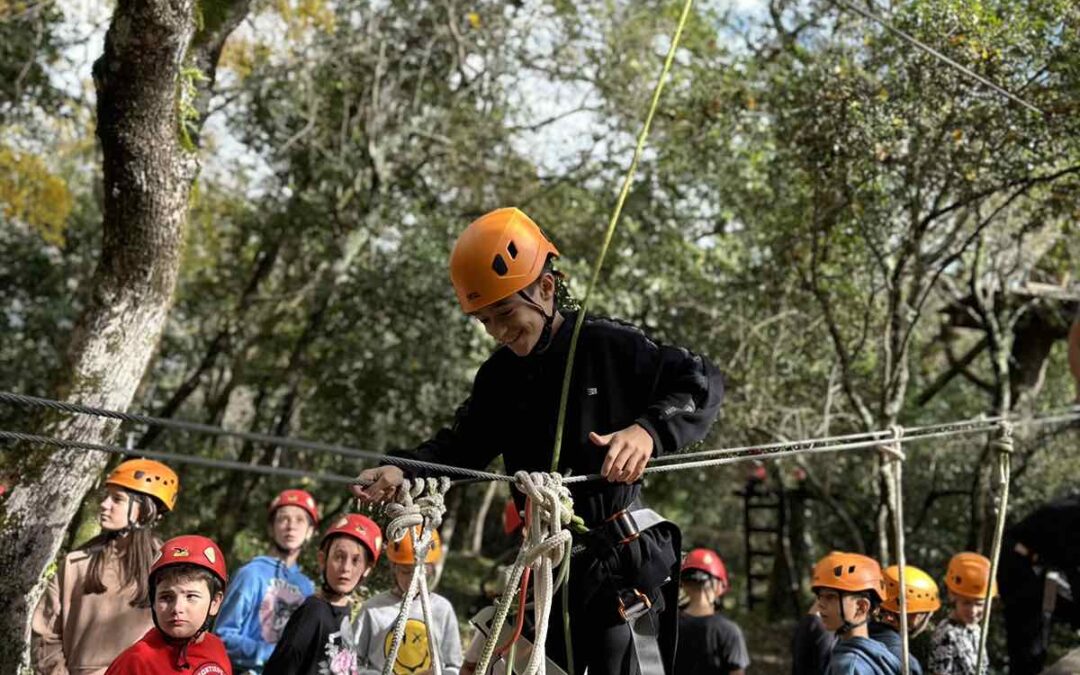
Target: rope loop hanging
x=418 y=504
x=1004 y=445
x=894 y=479
x=545 y=546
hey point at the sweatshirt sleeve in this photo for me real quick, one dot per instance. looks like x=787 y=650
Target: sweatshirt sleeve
x=47 y=639
x=685 y=396
x=238 y=605
x=128 y=663
x=300 y=635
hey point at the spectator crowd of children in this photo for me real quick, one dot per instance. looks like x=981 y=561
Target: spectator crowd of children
x=127 y=603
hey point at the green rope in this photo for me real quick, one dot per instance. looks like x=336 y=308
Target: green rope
x=642 y=137
x=565 y=395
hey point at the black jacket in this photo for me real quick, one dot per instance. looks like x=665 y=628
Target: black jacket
x=303 y=643
x=620 y=377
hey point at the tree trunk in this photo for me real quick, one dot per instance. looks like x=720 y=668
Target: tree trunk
x=476 y=538
x=147 y=182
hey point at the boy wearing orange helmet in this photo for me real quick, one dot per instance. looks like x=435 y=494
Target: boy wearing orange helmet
x=849 y=587
x=955 y=643
x=186 y=583
x=709 y=643
x=922 y=602
x=98 y=603
x=316 y=638
x=631 y=399
x=373 y=628
x=269 y=588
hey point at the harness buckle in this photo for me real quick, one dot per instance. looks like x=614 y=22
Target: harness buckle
x=626 y=528
x=639 y=606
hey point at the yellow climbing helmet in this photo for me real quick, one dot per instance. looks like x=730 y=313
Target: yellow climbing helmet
x=922 y=592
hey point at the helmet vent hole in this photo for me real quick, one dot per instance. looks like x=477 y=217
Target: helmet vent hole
x=838 y=571
x=851 y=569
x=512 y=250
x=499 y=265
x=139 y=475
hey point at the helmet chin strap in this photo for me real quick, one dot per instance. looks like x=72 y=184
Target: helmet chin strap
x=847 y=626
x=544 y=341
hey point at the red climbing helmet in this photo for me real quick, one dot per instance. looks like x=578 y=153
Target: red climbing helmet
x=707 y=561
x=300 y=498
x=360 y=528
x=191 y=549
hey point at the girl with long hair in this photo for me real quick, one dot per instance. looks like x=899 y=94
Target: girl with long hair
x=97 y=604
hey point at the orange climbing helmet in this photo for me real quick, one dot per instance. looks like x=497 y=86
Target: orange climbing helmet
x=922 y=592
x=301 y=498
x=149 y=478
x=968 y=576
x=497 y=255
x=360 y=528
x=848 y=573
x=401 y=552
x=702 y=560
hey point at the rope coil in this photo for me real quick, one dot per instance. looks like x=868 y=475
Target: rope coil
x=546 y=545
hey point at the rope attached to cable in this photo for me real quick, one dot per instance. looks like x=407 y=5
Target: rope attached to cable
x=418 y=505
x=1004 y=447
x=895 y=485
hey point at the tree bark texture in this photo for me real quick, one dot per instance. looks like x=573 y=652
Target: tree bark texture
x=147 y=182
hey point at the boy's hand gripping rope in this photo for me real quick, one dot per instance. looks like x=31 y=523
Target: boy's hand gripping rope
x=545 y=546
x=420 y=503
x=1004 y=447
x=894 y=481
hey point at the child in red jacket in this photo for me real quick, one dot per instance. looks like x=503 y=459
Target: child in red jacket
x=187 y=582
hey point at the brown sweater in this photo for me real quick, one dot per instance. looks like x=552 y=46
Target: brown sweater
x=81 y=634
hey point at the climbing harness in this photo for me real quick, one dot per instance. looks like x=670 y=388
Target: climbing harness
x=418 y=505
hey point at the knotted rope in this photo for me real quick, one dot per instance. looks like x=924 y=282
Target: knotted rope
x=1004 y=446
x=418 y=506
x=545 y=546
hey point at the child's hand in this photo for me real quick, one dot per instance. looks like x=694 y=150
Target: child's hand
x=380 y=484
x=629 y=450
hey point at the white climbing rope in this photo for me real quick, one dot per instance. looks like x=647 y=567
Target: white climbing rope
x=1004 y=446
x=418 y=505
x=545 y=546
x=895 y=484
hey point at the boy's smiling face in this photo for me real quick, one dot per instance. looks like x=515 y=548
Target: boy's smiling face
x=182 y=606
x=515 y=323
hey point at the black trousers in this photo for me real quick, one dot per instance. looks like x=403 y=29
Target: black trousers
x=602 y=641
x=1026 y=628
